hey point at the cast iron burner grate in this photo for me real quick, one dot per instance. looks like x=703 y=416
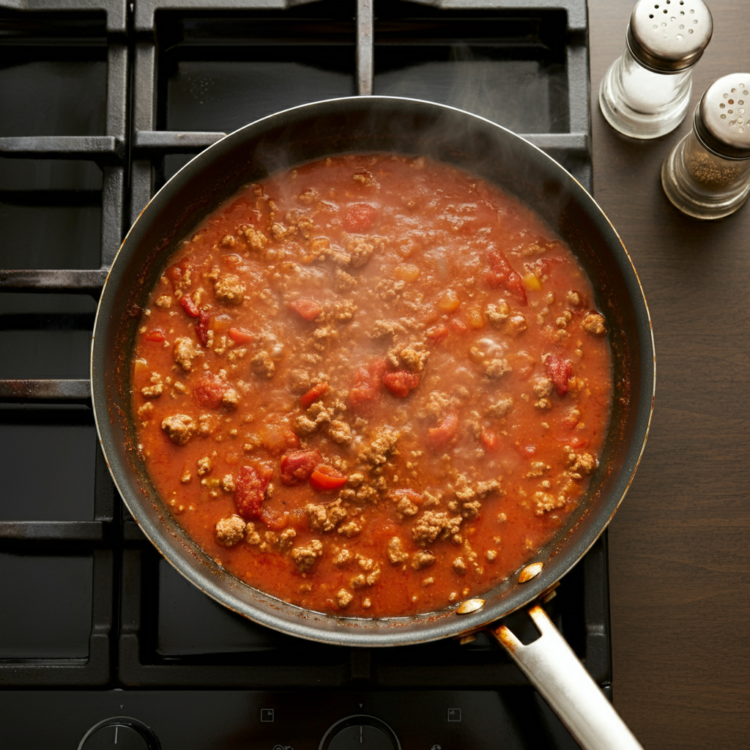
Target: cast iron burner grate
x=103 y=102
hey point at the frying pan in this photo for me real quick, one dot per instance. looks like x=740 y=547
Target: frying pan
x=387 y=124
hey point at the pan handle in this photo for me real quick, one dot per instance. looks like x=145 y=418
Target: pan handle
x=557 y=673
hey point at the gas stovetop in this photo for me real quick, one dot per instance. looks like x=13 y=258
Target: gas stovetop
x=102 y=103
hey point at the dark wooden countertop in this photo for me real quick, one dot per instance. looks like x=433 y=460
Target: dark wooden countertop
x=680 y=544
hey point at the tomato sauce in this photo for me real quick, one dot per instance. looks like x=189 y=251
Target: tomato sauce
x=372 y=386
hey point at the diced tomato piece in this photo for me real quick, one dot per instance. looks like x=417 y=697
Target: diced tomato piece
x=526 y=449
x=178 y=271
x=277 y=438
x=578 y=442
x=307 y=309
x=501 y=274
x=489 y=439
x=297 y=467
x=202 y=327
x=437 y=333
x=190 y=307
x=156 y=335
x=401 y=382
x=209 y=391
x=313 y=394
x=250 y=490
x=442 y=434
x=559 y=370
x=367 y=380
x=325 y=479
x=359 y=217
x=274 y=521
x=240 y=335
x=458 y=325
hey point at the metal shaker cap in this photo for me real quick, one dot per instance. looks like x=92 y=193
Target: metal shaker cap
x=722 y=119
x=669 y=36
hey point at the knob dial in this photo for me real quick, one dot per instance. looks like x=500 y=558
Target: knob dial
x=360 y=732
x=119 y=733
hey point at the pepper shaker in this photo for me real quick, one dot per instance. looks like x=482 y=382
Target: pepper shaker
x=707 y=174
x=646 y=91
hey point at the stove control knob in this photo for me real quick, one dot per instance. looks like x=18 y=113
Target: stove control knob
x=360 y=732
x=119 y=733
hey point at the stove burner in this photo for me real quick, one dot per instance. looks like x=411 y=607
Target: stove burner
x=104 y=103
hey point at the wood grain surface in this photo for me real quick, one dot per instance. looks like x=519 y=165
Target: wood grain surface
x=680 y=544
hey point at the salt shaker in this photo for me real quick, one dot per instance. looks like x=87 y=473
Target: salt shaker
x=707 y=174
x=646 y=91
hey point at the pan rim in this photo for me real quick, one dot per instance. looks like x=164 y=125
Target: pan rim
x=348 y=630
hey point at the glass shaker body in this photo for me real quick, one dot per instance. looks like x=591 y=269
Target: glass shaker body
x=707 y=174
x=646 y=91
x=640 y=103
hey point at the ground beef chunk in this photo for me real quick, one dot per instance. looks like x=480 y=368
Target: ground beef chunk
x=184 y=353
x=360 y=251
x=501 y=407
x=363 y=580
x=350 y=529
x=325 y=517
x=396 y=553
x=382 y=328
x=342 y=311
x=156 y=389
x=431 y=526
x=496 y=368
x=580 y=464
x=343 y=557
x=317 y=414
x=470 y=510
x=498 y=314
x=542 y=387
x=300 y=381
x=179 y=428
x=382 y=447
x=573 y=298
x=286 y=538
x=229 y=289
x=252 y=537
x=227 y=483
x=323 y=336
x=230 y=531
x=230 y=398
x=344 y=281
x=422 y=559
x=344 y=598
x=204 y=466
x=485 y=488
x=304 y=557
x=255 y=238
x=459 y=565
x=407 y=502
x=516 y=324
x=340 y=432
x=436 y=406
x=263 y=365
x=546 y=502
x=594 y=324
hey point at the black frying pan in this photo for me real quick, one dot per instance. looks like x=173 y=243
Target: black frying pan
x=376 y=124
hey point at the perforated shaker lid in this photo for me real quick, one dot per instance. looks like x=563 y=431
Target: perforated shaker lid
x=668 y=36
x=722 y=119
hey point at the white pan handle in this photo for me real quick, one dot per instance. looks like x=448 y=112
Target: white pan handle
x=560 y=677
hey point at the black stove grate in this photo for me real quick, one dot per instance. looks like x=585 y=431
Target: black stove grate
x=108 y=99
